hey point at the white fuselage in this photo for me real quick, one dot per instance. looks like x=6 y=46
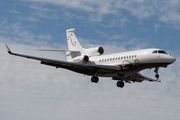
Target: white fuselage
x=141 y=59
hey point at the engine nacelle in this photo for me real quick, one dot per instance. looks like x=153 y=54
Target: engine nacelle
x=94 y=51
x=81 y=59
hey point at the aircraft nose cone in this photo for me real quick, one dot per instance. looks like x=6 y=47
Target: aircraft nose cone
x=174 y=59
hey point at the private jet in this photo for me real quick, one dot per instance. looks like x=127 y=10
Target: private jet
x=122 y=67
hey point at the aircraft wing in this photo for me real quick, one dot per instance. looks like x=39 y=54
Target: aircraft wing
x=87 y=69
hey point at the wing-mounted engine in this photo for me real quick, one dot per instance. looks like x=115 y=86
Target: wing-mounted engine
x=93 y=51
x=81 y=59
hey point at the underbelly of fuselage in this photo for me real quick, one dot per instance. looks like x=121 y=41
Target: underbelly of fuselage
x=130 y=69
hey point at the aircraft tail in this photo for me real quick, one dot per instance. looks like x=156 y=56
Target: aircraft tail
x=73 y=45
x=75 y=52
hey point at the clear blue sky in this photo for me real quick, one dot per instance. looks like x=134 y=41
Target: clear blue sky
x=29 y=90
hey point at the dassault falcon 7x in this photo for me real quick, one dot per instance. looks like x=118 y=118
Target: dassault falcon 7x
x=123 y=67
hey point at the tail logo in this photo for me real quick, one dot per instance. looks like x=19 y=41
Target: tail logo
x=72 y=42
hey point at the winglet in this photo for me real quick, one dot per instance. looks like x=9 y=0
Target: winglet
x=8 y=50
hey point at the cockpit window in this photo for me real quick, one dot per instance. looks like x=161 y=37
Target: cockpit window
x=154 y=51
x=161 y=51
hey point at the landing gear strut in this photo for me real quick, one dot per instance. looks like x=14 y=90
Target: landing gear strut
x=120 y=84
x=156 y=71
x=94 y=79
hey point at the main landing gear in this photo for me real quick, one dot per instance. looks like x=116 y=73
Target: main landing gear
x=95 y=79
x=120 y=84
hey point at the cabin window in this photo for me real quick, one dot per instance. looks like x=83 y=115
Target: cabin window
x=105 y=60
x=119 y=58
x=122 y=57
x=130 y=56
x=100 y=60
x=135 y=55
x=108 y=59
x=127 y=57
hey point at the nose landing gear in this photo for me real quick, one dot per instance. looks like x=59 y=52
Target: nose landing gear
x=156 y=71
x=157 y=76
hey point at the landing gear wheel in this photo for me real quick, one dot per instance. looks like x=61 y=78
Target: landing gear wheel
x=157 y=76
x=120 y=84
x=94 y=79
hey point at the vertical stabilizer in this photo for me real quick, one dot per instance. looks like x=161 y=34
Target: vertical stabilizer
x=73 y=44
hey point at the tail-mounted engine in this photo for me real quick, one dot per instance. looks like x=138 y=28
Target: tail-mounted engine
x=84 y=58
x=81 y=59
x=100 y=50
x=94 y=51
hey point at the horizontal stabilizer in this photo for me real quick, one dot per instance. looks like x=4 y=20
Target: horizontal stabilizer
x=58 y=50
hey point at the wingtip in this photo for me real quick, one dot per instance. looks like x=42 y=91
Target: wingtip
x=8 y=50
